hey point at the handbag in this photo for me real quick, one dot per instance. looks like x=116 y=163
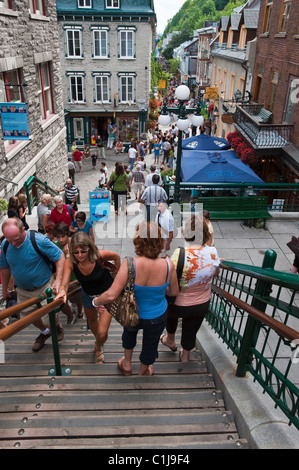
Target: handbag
x=179 y=272
x=294 y=246
x=124 y=309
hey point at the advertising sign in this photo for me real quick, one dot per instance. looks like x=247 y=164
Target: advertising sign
x=99 y=205
x=14 y=121
x=162 y=84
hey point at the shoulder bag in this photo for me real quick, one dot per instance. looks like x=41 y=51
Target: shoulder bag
x=124 y=309
x=294 y=246
x=179 y=272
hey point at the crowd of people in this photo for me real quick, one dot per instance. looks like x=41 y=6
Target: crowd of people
x=27 y=258
x=64 y=250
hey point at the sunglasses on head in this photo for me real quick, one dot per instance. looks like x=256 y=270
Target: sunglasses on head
x=161 y=200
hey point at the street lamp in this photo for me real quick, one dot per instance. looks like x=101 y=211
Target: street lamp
x=182 y=93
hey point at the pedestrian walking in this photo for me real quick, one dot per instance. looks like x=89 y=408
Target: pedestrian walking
x=31 y=272
x=131 y=156
x=151 y=196
x=201 y=263
x=85 y=262
x=137 y=181
x=154 y=276
x=71 y=193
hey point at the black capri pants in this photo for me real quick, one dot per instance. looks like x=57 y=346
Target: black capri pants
x=192 y=318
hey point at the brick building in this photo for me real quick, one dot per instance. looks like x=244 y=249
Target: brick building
x=30 y=74
x=105 y=57
x=275 y=87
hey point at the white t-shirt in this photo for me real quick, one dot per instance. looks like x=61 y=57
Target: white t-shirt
x=166 y=222
x=132 y=152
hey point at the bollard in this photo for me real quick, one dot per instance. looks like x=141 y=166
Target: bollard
x=57 y=370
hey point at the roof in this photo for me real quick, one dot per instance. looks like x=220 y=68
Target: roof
x=235 y=19
x=251 y=18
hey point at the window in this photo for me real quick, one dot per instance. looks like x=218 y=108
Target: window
x=44 y=88
x=37 y=7
x=267 y=17
x=292 y=99
x=272 y=90
x=84 y=3
x=78 y=128
x=284 y=16
x=6 y=4
x=74 y=42
x=126 y=43
x=100 y=43
x=126 y=86
x=242 y=39
x=76 y=87
x=101 y=86
x=112 y=3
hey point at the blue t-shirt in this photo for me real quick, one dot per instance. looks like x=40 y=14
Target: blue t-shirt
x=27 y=267
x=86 y=228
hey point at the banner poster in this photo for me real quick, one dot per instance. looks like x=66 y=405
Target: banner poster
x=99 y=204
x=14 y=121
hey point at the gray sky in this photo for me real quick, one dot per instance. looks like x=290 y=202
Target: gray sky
x=165 y=10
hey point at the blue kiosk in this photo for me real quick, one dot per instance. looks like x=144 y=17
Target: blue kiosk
x=99 y=204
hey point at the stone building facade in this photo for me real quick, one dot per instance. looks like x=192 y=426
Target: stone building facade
x=30 y=73
x=106 y=51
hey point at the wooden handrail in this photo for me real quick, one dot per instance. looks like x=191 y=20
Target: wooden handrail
x=281 y=329
x=22 y=323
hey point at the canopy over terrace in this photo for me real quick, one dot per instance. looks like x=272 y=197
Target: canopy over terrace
x=205 y=142
x=215 y=167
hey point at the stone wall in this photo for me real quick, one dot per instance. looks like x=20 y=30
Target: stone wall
x=26 y=41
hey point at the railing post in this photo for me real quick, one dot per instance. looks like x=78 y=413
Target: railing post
x=52 y=316
x=253 y=326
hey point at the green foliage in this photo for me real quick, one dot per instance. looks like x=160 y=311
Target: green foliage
x=3 y=205
x=193 y=14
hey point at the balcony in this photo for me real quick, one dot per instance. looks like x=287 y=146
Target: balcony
x=259 y=135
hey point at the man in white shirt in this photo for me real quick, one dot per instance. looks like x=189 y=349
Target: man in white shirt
x=164 y=219
x=131 y=156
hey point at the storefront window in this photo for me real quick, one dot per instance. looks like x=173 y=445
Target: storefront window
x=127 y=128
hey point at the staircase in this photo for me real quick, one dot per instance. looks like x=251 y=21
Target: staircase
x=96 y=407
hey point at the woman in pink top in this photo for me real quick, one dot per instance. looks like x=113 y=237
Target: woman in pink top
x=201 y=264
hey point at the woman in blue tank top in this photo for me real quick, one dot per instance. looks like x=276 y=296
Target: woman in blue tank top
x=154 y=277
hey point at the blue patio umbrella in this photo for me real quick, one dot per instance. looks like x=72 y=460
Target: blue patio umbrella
x=205 y=142
x=216 y=167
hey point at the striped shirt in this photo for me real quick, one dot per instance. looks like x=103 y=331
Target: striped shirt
x=70 y=193
x=153 y=194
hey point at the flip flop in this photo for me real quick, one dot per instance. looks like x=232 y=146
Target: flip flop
x=121 y=367
x=164 y=344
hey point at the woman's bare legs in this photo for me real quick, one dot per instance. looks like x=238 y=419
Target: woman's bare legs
x=99 y=325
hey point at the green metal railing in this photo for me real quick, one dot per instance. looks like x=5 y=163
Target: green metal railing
x=282 y=197
x=255 y=312
x=34 y=182
x=37 y=184
x=52 y=308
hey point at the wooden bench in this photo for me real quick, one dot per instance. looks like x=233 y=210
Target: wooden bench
x=263 y=116
x=235 y=208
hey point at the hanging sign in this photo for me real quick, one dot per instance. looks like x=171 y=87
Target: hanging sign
x=211 y=93
x=14 y=121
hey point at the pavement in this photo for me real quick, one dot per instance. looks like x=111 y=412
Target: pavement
x=265 y=426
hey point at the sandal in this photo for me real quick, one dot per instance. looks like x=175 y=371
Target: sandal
x=174 y=349
x=121 y=367
x=99 y=355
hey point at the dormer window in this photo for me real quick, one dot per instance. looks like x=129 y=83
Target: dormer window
x=84 y=3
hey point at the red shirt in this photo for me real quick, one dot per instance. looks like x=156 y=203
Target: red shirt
x=64 y=216
x=77 y=155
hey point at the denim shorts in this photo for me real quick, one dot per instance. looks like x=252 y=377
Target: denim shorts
x=152 y=330
x=87 y=299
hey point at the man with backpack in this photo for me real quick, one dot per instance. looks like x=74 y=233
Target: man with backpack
x=29 y=257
